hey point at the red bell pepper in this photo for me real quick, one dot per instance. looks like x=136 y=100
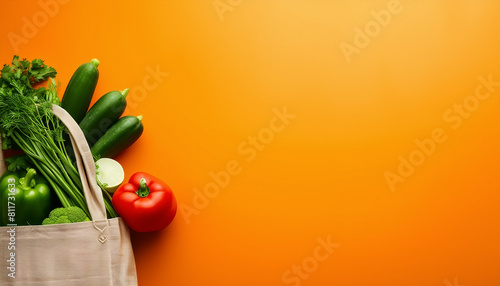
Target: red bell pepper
x=145 y=203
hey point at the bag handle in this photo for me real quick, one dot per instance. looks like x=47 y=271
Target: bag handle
x=85 y=163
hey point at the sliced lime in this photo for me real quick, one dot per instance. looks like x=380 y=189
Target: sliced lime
x=109 y=173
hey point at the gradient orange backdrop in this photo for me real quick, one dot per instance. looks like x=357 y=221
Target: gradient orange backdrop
x=225 y=68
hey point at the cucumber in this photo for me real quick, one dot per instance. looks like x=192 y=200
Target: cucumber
x=81 y=86
x=103 y=114
x=119 y=137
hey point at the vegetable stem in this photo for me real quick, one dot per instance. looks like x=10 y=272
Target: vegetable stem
x=60 y=194
x=143 y=190
x=95 y=62
x=26 y=181
x=125 y=92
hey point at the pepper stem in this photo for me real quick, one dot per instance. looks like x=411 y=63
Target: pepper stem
x=26 y=181
x=143 y=190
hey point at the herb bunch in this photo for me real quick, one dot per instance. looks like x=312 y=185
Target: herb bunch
x=27 y=121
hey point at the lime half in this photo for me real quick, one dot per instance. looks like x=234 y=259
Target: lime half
x=109 y=173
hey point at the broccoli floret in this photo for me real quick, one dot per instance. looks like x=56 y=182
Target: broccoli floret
x=66 y=215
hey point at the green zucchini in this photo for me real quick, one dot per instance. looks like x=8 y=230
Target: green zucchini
x=119 y=137
x=103 y=114
x=81 y=86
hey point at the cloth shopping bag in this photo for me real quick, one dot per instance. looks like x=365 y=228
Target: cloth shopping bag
x=97 y=252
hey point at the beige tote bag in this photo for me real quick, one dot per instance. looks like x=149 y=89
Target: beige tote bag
x=97 y=252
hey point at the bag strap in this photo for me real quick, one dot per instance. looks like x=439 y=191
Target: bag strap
x=85 y=164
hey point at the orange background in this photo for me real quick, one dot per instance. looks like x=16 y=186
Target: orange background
x=323 y=175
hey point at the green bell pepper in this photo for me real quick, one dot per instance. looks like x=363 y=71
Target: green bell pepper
x=24 y=200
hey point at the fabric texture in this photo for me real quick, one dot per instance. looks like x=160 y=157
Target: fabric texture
x=97 y=252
